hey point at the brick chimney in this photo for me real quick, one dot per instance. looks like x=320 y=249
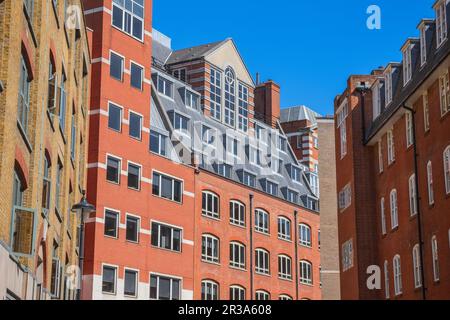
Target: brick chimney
x=267 y=102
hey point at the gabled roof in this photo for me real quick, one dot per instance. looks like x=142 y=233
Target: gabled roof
x=194 y=53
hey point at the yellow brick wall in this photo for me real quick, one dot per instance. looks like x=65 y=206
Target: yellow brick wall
x=47 y=26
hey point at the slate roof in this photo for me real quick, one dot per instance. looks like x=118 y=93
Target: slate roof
x=194 y=53
x=298 y=113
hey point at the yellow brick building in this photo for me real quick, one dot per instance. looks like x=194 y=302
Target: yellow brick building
x=44 y=75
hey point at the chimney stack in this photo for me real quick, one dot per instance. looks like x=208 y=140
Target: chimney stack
x=267 y=103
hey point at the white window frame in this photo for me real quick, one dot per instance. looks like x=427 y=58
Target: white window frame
x=133 y=16
x=412 y=195
x=444 y=93
x=117 y=214
x=423 y=45
x=426 y=112
x=139 y=177
x=264 y=229
x=397 y=267
x=238 y=262
x=285 y=267
x=136 y=289
x=435 y=257
x=237 y=293
x=306 y=272
x=122 y=67
x=215 y=246
x=409 y=129
x=243 y=104
x=388 y=86
x=213 y=212
x=347 y=255
x=142 y=68
x=265 y=268
x=394 y=209
x=284 y=229
x=172 y=238
x=430 y=183
x=305 y=235
x=234 y=204
x=214 y=288
x=262 y=295
x=138 y=226
x=417 y=267
x=446 y=162
x=172 y=279
x=140 y=124
x=116 y=270
x=407 y=64
x=383 y=216
x=166 y=84
x=380 y=156
x=441 y=22
x=386 y=280
x=391 y=146
x=345 y=198
x=216 y=94
x=121 y=115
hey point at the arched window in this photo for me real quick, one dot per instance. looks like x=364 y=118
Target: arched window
x=394 y=209
x=237 y=293
x=417 y=267
x=434 y=252
x=262 y=295
x=230 y=97
x=24 y=96
x=284 y=228
x=237 y=213
x=237 y=255
x=305 y=235
x=284 y=267
x=262 y=261
x=262 y=221
x=210 y=290
x=210 y=205
x=398 y=286
x=386 y=280
x=210 y=248
x=46 y=185
x=447 y=169
x=306 y=272
x=285 y=297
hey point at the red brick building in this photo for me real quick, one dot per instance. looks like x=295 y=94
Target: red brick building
x=393 y=172
x=195 y=197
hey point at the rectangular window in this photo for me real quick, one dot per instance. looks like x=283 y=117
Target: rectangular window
x=128 y=16
x=179 y=122
x=73 y=135
x=343 y=136
x=430 y=183
x=282 y=144
x=262 y=262
x=243 y=108
x=441 y=22
x=347 y=255
x=135 y=126
x=167 y=188
x=208 y=135
x=376 y=100
x=426 y=112
x=116 y=66
x=224 y=170
x=412 y=196
x=388 y=86
x=192 y=100
x=165 y=87
x=391 y=146
x=237 y=214
x=59 y=173
x=62 y=103
x=284 y=229
x=132 y=228
x=345 y=197
x=134 y=176
x=380 y=156
x=444 y=92
x=407 y=65
x=261 y=221
x=434 y=252
x=55 y=286
x=158 y=143
x=423 y=45
x=166 y=237
x=137 y=76
x=249 y=179
x=113 y=169
x=409 y=129
x=111 y=224
x=216 y=94
x=130 y=283
x=210 y=249
x=114 y=117
x=210 y=205
x=109 y=278
x=271 y=188
x=180 y=74
x=164 y=288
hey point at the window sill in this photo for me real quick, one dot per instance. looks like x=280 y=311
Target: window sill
x=285 y=240
x=284 y=279
x=305 y=246
x=263 y=274
x=238 y=269
x=211 y=218
x=243 y=227
x=166 y=250
x=111 y=237
x=262 y=233
x=393 y=230
x=217 y=264
x=169 y=200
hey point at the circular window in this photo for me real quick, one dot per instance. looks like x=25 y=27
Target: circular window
x=229 y=76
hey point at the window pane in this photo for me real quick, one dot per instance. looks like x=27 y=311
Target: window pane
x=115 y=117
x=130 y=283
x=135 y=125
x=109 y=278
x=164 y=289
x=132 y=229
x=113 y=170
x=136 y=76
x=116 y=66
x=133 y=177
x=111 y=224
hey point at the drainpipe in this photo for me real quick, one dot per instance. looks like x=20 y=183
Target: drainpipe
x=296 y=253
x=419 y=214
x=251 y=246
x=362 y=88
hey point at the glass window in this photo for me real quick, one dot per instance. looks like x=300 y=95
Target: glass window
x=192 y=100
x=216 y=94
x=135 y=126
x=237 y=255
x=158 y=143
x=249 y=179
x=111 y=224
x=237 y=293
x=210 y=205
x=132 y=228
x=116 y=64
x=166 y=237
x=134 y=176
x=46 y=187
x=164 y=288
x=284 y=228
x=284 y=267
x=165 y=87
x=210 y=290
x=394 y=209
x=243 y=108
x=305 y=235
x=210 y=249
x=398 y=286
x=262 y=261
x=230 y=97
x=137 y=76
x=417 y=267
x=128 y=16
x=237 y=213
x=113 y=170
x=115 y=117
x=167 y=188
x=306 y=273
x=447 y=169
x=109 y=279
x=262 y=295
x=131 y=283
x=261 y=221
x=434 y=252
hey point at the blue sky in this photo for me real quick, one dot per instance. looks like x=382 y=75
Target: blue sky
x=309 y=47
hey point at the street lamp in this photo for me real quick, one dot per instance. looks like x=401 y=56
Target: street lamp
x=83 y=208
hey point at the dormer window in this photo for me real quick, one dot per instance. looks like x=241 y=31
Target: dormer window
x=407 y=64
x=441 y=22
x=282 y=144
x=179 y=122
x=423 y=45
x=180 y=74
x=295 y=173
x=376 y=96
x=208 y=135
x=270 y=187
x=388 y=86
x=165 y=87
